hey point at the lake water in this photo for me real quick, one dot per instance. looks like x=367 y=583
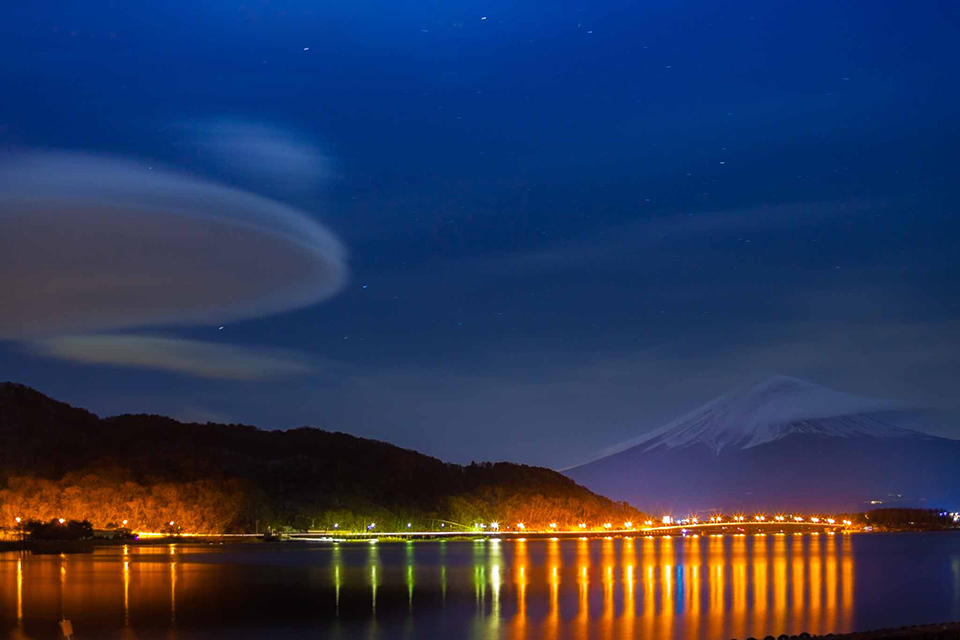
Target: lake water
x=705 y=587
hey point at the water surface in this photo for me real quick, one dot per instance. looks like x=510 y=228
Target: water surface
x=699 y=587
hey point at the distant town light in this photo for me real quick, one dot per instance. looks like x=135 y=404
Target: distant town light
x=336 y=525
x=409 y=525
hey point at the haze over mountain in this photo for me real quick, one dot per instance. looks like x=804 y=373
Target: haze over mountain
x=783 y=444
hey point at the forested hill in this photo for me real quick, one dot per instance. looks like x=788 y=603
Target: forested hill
x=61 y=461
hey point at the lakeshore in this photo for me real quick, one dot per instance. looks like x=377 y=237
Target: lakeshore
x=943 y=631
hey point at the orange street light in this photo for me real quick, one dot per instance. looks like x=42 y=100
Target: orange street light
x=582 y=525
x=607 y=525
x=520 y=526
x=17 y=519
x=628 y=525
x=61 y=520
x=553 y=525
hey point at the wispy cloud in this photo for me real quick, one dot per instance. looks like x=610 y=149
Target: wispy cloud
x=276 y=160
x=661 y=233
x=191 y=357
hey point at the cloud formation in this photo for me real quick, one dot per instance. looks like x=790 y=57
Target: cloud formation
x=193 y=357
x=92 y=245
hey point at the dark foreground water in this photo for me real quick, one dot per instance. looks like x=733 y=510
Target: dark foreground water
x=706 y=587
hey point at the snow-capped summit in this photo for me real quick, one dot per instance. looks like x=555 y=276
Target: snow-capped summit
x=783 y=443
x=775 y=408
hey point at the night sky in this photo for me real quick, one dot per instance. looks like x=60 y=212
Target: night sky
x=546 y=227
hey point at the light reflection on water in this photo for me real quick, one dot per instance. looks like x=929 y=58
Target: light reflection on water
x=696 y=587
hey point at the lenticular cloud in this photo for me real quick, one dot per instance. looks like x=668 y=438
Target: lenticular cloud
x=94 y=244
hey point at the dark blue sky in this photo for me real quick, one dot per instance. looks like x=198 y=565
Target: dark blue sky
x=565 y=222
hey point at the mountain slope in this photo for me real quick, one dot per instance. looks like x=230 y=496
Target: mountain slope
x=59 y=461
x=783 y=444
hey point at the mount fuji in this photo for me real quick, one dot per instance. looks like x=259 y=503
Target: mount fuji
x=784 y=444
